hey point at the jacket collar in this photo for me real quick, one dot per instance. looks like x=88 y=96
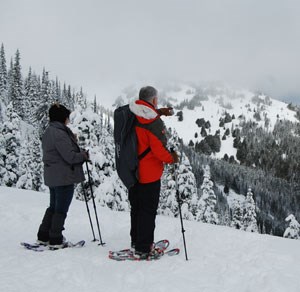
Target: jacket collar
x=58 y=125
x=143 y=109
x=63 y=127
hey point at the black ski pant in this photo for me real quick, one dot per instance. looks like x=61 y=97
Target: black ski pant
x=144 y=200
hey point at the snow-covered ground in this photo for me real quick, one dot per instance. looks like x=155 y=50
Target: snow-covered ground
x=235 y=102
x=220 y=258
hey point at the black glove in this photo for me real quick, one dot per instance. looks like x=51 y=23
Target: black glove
x=165 y=111
x=86 y=155
x=175 y=157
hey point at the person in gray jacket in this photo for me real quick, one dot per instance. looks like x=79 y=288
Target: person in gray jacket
x=63 y=161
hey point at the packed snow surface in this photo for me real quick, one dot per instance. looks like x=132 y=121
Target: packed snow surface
x=220 y=258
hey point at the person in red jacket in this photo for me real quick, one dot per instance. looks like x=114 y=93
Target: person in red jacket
x=144 y=195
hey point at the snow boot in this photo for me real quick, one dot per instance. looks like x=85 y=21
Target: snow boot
x=43 y=232
x=153 y=254
x=56 y=238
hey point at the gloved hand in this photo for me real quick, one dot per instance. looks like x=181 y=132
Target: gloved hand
x=175 y=157
x=86 y=155
x=165 y=111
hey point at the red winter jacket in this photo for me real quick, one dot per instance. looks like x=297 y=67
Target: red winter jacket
x=152 y=165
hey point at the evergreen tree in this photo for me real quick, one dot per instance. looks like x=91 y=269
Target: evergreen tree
x=9 y=81
x=24 y=161
x=3 y=155
x=26 y=101
x=106 y=184
x=11 y=135
x=69 y=99
x=30 y=163
x=80 y=100
x=47 y=95
x=57 y=91
x=36 y=165
x=95 y=106
x=237 y=215
x=15 y=93
x=249 y=218
x=32 y=95
x=186 y=184
x=3 y=76
x=293 y=231
x=46 y=98
x=208 y=200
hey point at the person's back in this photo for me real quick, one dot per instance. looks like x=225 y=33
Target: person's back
x=151 y=166
x=61 y=154
x=144 y=195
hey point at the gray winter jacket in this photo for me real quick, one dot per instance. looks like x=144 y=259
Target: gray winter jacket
x=61 y=156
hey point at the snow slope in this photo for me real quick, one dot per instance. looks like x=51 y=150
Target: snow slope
x=215 y=102
x=220 y=258
x=220 y=100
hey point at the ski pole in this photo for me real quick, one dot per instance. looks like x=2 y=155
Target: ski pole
x=88 y=211
x=95 y=209
x=179 y=205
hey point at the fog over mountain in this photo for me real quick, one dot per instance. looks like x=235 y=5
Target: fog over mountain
x=104 y=45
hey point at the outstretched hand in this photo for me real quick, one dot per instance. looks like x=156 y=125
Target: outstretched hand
x=165 y=111
x=175 y=157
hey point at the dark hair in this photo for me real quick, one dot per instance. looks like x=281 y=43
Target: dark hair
x=147 y=93
x=58 y=113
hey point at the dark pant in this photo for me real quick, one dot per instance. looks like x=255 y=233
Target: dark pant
x=61 y=198
x=54 y=218
x=144 y=200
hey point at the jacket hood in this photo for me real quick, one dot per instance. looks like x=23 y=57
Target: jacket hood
x=143 y=109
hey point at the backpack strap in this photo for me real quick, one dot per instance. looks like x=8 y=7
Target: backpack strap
x=157 y=129
x=142 y=155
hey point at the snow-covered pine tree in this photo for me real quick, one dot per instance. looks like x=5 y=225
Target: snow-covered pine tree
x=3 y=76
x=26 y=101
x=186 y=184
x=168 y=204
x=66 y=97
x=15 y=90
x=107 y=187
x=293 y=231
x=47 y=97
x=80 y=99
x=36 y=161
x=237 y=215
x=111 y=192
x=249 y=218
x=56 y=91
x=95 y=104
x=32 y=94
x=2 y=155
x=24 y=161
x=45 y=86
x=69 y=99
x=11 y=136
x=30 y=163
x=208 y=200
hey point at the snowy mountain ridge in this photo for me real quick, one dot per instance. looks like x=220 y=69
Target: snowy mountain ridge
x=202 y=111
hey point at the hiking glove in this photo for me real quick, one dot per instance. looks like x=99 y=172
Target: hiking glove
x=175 y=157
x=165 y=111
x=86 y=155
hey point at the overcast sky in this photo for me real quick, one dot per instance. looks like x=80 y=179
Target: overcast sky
x=103 y=45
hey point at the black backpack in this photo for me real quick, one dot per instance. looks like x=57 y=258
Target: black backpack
x=126 y=146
